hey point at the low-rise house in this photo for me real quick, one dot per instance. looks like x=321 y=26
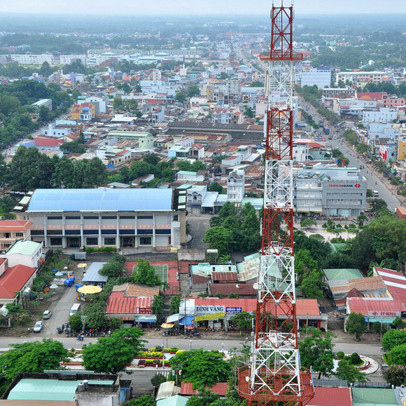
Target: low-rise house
x=28 y=253
x=324 y=396
x=13 y=281
x=66 y=388
x=12 y=230
x=131 y=302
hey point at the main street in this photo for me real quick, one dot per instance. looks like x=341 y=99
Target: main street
x=188 y=343
x=374 y=182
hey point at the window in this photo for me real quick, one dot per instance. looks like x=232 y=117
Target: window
x=145 y=240
x=109 y=217
x=92 y=241
x=19 y=234
x=127 y=217
x=37 y=232
x=175 y=217
x=54 y=232
x=109 y=241
x=7 y=235
x=56 y=241
x=72 y=217
x=144 y=217
x=91 y=217
x=54 y=217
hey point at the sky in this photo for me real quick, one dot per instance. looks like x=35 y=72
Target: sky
x=199 y=7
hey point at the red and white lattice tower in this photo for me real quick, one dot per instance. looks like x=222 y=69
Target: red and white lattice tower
x=274 y=376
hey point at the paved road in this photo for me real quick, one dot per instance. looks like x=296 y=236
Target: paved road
x=60 y=309
x=198 y=225
x=195 y=343
x=373 y=181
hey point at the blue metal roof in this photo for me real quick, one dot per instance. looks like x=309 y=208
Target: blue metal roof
x=100 y=200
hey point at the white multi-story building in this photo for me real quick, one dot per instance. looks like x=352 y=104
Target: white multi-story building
x=236 y=186
x=121 y=218
x=56 y=132
x=68 y=59
x=31 y=59
x=384 y=115
x=321 y=77
x=359 y=76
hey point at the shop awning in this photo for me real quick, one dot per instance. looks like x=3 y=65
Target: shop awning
x=173 y=317
x=147 y=318
x=385 y=320
x=189 y=320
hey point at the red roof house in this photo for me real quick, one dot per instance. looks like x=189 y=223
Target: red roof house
x=331 y=397
x=14 y=280
x=220 y=388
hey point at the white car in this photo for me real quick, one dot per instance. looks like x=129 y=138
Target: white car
x=38 y=326
x=47 y=314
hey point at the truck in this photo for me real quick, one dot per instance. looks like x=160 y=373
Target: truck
x=79 y=256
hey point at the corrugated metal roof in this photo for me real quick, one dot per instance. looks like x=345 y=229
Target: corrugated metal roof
x=92 y=273
x=331 y=397
x=24 y=248
x=220 y=388
x=173 y=401
x=120 y=304
x=342 y=274
x=101 y=200
x=13 y=280
x=374 y=396
x=225 y=276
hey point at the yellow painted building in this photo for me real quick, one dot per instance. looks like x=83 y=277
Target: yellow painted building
x=401 y=150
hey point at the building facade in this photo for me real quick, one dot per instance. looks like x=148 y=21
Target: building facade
x=330 y=190
x=130 y=218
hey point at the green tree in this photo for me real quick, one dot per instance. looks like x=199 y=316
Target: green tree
x=316 y=351
x=395 y=375
x=118 y=104
x=215 y=187
x=243 y=320
x=398 y=323
x=308 y=223
x=193 y=91
x=249 y=113
x=201 y=367
x=158 y=305
x=32 y=357
x=75 y=322
x=356 y=324
x=157 y=379
x=397 y=355
x=205 y=398
x=348 y=372
x=145 y=274
x=145 y=400
x=219 y=238
x=180 y=97
x=174 y=305
x=114 y=268
x=393 y=338
x=112 y=354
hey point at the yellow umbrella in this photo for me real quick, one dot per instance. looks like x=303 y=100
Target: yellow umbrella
x=82 y=265
x=167 y=325
x=89 y=290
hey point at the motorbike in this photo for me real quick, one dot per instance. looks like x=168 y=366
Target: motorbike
x=79 y=337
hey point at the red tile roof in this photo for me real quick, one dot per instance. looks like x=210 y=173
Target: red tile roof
x=120 y=304
x=186 y=388
x=15 y=225
x=13 y=280
x=48 y=142
x=331 y=397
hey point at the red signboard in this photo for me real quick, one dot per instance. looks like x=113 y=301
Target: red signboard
x=144 y=310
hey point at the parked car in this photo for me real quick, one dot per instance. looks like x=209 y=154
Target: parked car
x=47 y=314
x=38 y=326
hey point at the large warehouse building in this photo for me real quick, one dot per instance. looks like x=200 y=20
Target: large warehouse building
x=121 y=218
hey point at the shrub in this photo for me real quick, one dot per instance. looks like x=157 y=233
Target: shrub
x=340 y=355
x=355 y=359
